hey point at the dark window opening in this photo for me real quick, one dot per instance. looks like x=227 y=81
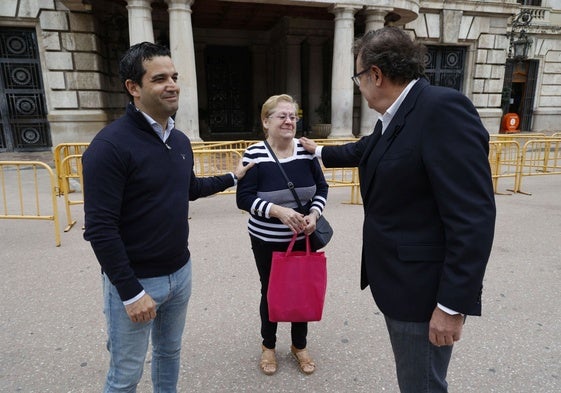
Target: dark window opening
x=444 y=66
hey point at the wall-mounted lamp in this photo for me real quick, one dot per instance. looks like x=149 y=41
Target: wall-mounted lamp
x=519 y=42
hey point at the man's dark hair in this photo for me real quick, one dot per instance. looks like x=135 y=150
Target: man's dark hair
x=394 y=52
x=131 y=67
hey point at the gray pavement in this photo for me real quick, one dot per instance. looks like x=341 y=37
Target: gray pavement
x=52 y=332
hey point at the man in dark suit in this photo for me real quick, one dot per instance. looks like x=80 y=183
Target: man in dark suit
x=428 y=203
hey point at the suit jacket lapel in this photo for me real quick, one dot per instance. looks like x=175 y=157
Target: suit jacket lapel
x=369 y=163
x=375 y=137
x=371 y=158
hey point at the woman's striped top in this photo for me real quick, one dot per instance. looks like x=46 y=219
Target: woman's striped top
x=264 y=185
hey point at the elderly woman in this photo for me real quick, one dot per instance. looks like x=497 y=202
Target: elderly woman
x=274 y=215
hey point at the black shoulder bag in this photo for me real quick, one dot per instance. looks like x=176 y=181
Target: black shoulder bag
x=323 y=233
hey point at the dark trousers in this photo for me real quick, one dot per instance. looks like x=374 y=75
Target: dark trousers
x=421 y=367
x=263 y=253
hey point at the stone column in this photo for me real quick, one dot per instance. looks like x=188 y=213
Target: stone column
x=294 y=67
x=315 y=81
x=183 y=54
x=140 y=21
x=368 y=117
x=342 y=87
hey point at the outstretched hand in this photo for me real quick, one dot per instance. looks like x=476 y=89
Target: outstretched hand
x=308 y=144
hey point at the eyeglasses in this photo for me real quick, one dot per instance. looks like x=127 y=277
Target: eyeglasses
x=356 y=77
x=283 y=117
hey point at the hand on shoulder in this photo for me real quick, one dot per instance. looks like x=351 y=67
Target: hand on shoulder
x=241 y=170
x=308 y=144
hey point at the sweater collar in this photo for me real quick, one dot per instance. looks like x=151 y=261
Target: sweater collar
x=141 y=121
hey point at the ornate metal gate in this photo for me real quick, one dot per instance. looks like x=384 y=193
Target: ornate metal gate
x=23 y=112
x=445 y=66
x=228 y=71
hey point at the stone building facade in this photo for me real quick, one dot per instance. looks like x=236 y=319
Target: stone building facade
x=59 y=61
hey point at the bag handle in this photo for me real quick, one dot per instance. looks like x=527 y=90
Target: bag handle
x=293 y=240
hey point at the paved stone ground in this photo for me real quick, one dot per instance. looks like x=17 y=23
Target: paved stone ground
x=52 y=332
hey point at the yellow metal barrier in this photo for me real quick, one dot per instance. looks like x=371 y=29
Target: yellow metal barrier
x=217 y=157
x=71 y=168
x=20 y=184
x=239 y=145
x=62 y=151
x=540 y=157
x=517 y=136
x=342 y=177
x=338 y=141
x=242 y=145
x=209 y=162
x=504 y=159
x=521 y=137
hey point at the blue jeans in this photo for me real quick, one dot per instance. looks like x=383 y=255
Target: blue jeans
x=128 y=341
x=421 y=367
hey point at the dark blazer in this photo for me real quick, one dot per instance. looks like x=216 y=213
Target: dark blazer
x=429 y=207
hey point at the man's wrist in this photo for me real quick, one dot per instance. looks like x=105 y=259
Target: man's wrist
x=448 y=310
x=134 y=299
x=317 y=152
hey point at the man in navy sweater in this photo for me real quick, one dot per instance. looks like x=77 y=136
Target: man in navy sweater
x=138 y=181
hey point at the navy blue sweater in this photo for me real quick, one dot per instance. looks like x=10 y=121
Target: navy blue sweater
x=136 y=200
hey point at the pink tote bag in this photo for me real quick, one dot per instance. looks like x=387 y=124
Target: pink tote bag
x=297 y=285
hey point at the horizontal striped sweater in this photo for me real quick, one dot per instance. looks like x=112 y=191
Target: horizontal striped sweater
x=264 y=185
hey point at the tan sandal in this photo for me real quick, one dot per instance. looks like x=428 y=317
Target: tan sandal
x=305 y=361
x=268 y=363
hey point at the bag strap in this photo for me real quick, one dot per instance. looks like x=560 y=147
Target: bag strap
x=289 y=184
